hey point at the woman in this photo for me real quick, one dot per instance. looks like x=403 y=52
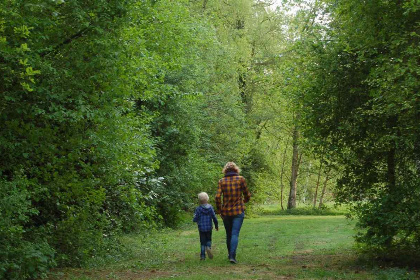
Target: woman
x=235 y=193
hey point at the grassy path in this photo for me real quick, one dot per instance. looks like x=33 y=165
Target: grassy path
x=270 y=247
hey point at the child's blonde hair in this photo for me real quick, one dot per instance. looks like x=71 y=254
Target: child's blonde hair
x=203 y=197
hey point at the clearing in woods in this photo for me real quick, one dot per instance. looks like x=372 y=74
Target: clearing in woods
x=270 y=247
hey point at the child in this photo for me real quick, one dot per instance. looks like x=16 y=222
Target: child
x=203 y=216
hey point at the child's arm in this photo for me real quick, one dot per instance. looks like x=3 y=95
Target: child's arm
x=195 y=218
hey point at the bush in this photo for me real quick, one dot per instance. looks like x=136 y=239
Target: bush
x=22 y=254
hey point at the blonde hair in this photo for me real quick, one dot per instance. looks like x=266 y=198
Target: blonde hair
x=203 y=197
x=231 y=166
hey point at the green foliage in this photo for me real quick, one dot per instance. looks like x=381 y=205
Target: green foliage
x=113 y=116
x=68 y=127
x=20 y=256
x=188 y=89
x=362 y=107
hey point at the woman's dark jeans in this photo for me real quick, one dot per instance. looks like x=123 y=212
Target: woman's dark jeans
x=233 y=226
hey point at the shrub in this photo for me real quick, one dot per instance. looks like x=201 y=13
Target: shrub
x=22 y=254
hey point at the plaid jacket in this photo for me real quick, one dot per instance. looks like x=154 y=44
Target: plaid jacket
x=232 y=187
x=203 y=216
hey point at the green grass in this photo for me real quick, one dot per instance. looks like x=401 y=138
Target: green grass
x=270 y=247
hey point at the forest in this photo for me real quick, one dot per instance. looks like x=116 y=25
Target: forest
x=115 y=114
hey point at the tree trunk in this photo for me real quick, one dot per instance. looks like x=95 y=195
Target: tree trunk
x=391 y=169
x=281 y=176
x=392 y=123
x=295 y=166
x=321 y=202
x=317 y=183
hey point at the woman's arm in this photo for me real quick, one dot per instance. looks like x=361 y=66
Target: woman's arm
x=245 y=190
x=215 y=221
x=219 y=197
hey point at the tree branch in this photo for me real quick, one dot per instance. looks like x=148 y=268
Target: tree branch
x=66 y=42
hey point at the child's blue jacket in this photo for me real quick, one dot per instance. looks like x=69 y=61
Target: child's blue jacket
x=203 y=216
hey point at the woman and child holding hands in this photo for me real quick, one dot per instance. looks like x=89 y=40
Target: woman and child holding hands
x=235 y=193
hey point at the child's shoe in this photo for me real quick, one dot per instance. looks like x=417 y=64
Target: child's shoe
x=209 y=252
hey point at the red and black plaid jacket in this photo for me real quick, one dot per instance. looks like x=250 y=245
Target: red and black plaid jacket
x=232 y=188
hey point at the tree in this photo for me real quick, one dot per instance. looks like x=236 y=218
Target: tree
x=362 y=104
